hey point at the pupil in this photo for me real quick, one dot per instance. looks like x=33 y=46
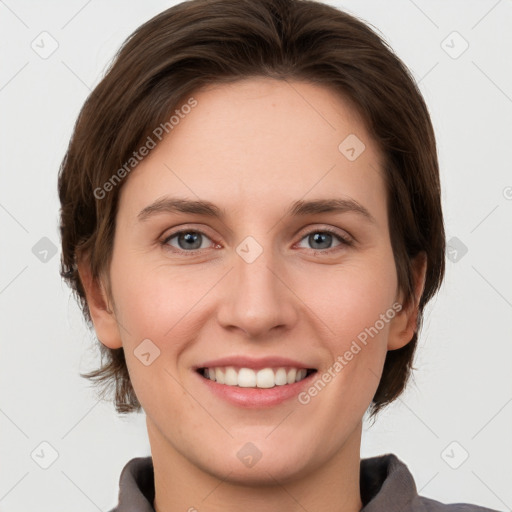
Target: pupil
x=318 y=237
x=190 y=239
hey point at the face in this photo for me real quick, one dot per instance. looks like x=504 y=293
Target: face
x=267 y=286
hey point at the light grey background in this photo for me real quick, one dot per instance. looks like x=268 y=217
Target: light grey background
x=462 y=388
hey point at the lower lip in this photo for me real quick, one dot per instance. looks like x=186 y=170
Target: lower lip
x=256 y=397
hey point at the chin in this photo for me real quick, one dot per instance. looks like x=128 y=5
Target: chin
x=259 y=463
x=264 y=473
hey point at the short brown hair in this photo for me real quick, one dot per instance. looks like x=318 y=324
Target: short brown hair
x=202 y=42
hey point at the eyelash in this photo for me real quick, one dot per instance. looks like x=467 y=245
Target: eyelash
x=344 y=241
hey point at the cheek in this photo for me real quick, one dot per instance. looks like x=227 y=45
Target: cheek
x=354 y=303
x=153 y=301
x=352 y=297
x=159 y=305
x=338 y=306
x=157 y=301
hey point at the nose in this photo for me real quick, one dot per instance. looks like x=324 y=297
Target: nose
x=257 y=298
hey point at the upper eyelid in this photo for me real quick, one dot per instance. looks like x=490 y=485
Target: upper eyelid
x=328 y=229
x=187 y=230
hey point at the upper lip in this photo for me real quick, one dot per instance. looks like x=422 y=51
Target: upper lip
x=254 y=363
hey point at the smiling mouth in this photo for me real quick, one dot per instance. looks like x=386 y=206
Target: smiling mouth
x=249 y=378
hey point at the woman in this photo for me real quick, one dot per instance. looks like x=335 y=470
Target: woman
x=251 y=219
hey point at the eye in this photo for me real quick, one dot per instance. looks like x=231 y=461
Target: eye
x=322 y=239
x=188 y=240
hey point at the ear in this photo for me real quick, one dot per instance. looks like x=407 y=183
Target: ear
x=404 y=324
x=103 y=318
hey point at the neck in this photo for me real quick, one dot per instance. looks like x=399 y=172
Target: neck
x=331 y=486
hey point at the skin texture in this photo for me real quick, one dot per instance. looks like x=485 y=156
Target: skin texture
x=253 y=148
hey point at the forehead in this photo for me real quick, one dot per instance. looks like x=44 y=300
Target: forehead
x=260 y=142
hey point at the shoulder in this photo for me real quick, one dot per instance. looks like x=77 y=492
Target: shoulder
x=387 y=485
x=136 y=486
x=422 y=504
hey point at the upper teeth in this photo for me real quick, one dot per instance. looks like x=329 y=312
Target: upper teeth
x=248 y=378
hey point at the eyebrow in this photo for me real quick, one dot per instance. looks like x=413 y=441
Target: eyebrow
x=298 y=208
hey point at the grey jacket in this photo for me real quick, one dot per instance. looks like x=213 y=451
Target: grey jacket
x=385 y=482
